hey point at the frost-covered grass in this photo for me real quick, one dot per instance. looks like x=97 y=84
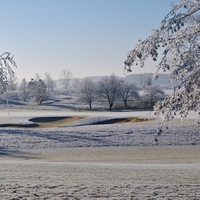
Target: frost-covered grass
x=97 y=136
x=96 y=181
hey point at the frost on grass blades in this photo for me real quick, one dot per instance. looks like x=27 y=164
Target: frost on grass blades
x=175 y=45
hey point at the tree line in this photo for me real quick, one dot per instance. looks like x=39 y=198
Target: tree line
x=111 y=89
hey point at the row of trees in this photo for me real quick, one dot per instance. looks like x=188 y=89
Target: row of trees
x=109 y=88
x=113 y=88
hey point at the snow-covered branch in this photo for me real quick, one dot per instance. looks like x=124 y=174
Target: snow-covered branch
x=175 y=44
x=6 y=61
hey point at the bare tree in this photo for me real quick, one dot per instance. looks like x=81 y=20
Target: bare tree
x=177 y=40
x=24 y=89
x=49 y=83
x=109 y=88
x=148 y=80
x=65 y=77
x=86 y=91
x=128 y=91
x=152 y=93
x=145 y=80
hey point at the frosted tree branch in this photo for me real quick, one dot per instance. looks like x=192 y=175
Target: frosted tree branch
x=6 y=61
x=175 y=44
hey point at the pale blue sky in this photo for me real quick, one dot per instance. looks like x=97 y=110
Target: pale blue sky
x=89 y=37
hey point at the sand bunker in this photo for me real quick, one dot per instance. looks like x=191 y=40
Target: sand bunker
x=54 y=122
x=120 y=121
x=50 y=122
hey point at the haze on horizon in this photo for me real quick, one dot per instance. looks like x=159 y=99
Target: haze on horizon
x=91 y=38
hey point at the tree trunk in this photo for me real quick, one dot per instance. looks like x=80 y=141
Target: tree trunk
x=125 y=103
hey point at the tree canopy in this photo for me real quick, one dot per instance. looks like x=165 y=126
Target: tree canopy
x=175 y=45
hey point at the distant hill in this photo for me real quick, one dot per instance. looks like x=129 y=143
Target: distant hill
x=163 y=79
x=94 y=78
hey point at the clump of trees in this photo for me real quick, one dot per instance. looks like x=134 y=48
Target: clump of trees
x=38 y=89
x=108 y=87
x=114 y=89
x=176 y=39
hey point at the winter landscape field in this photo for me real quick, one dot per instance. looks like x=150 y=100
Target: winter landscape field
x=51 y=152
x=123 y=124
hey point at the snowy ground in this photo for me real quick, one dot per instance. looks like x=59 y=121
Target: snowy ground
x=85 y=161
x=44 y=180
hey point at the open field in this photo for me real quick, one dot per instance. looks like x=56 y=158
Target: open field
x=78 y=160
